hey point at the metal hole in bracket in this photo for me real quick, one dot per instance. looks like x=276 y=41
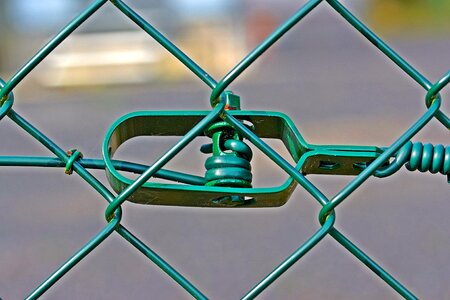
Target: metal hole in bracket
x=248 y=123
x=360 y=166
x=328 y=165
x=232 y=201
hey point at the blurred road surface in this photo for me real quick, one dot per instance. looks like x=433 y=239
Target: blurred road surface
x=336 y=88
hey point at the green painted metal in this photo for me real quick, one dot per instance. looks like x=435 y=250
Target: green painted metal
x=105 y=193
x=229 y=129
x=310 y=159
x=6 y=101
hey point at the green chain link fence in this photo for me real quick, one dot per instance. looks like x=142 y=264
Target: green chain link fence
x=225 y=123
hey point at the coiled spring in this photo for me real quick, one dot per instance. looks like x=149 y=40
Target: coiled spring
x=229 y=164
x=419 y=156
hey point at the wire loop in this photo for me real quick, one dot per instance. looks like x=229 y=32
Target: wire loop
x=418 y=156
x=6 y=102
x=433 y=94
x=73 y=154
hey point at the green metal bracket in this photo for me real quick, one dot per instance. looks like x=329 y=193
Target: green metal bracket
x=310 y=159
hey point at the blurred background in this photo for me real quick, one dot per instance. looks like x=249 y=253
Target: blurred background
x=335 y=86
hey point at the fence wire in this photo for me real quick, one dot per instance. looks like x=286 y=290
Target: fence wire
x=434 y=159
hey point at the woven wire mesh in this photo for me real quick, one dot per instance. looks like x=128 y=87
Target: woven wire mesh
x=77 y=164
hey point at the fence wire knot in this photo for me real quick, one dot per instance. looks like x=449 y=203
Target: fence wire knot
x=6 y=100
x=74 y=155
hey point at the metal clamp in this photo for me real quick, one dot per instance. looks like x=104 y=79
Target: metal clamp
x=310 y=159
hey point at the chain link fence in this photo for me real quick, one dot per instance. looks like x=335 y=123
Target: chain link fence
x=228 y=126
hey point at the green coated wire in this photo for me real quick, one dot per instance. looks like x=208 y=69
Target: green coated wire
x=6 y=102
x=50 y=46
x=358 y=180
x=292 y=259
x=397 y=59
x=433 y=94
x=281 y=162
x=260 y=49
x=113 y=212
x=188 y=62
x=371 y=264
x=102 y=190
x=75 y=259
x=89 y=163
x=194 y=132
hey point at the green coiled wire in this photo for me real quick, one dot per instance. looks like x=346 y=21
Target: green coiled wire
x=419 y=156
x=229 y=164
